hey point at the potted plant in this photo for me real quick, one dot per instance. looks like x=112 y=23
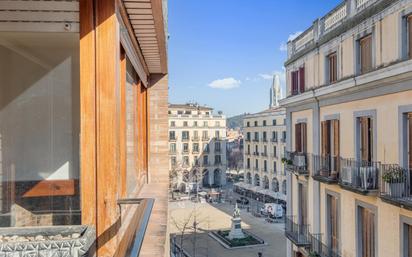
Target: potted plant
x=394 y=179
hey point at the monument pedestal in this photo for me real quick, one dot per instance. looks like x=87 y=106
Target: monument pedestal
x=236 y=229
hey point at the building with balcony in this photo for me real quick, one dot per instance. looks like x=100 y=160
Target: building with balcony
x=197 y=146
x=348 y=109
x=264 y=149
x=83 y=85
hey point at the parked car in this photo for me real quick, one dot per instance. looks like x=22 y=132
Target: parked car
x=242 y=200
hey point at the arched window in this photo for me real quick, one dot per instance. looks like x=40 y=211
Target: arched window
x=257 y=180
x=265 y=182
x=275 y=185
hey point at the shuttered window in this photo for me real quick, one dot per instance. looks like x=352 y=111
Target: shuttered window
x=365 y=54
x=367 y=230
x=303 y=204
x=333 y=222
x=366 y=139
x=298 y=81
x=409 y=25
x=325 y=138
x=333 y=72
x=302 y=79
x=300 y=137
x=295 y=87
x=409 y=142
x=408 y=240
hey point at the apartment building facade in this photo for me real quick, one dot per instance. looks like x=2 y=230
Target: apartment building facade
x=197 y=146
x=264 y=145
x=348 y=107
x=83 y=127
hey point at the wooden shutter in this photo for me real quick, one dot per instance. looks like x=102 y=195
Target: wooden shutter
x=332 y=68
x=409 y=240
x=410 y=140
x=409 y=21
x=298 y=142
x=334 y=233
x=366 y=138
x=365 y=45
x=325 y=138
x=368 y=233
x=303 y=138
x=336 y=137
x=302 y=79
x=303 y=204
x=294 y=84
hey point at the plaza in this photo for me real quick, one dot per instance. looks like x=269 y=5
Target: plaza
x=211 y=217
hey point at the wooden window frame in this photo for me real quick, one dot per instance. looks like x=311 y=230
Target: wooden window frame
x=332 y=67
x=365 y=62
x=359 y=206
x=301 y=137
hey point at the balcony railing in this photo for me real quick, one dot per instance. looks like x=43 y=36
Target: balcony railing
x=265 y=154
x=218 y=150
x=283 y=140
x=297 y=163
x=256 y=168
x=359 y=176
x=256 y=153
x=256 y=140
x=320 y=249
x=264 y=139
x=264 y=169
x=247 y=139
x=274 y=140
x=326 y=168
x=205 y=138
x=185 y=139
x=395 y=185
x=195 y=138
x=297 y=233
x=172 y=139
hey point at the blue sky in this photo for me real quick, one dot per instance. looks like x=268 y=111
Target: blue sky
x=222 y=53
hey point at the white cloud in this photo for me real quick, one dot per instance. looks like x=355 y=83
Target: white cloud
x=283 y=47
x=294 y=35
x=266 y=76
x=226 y=83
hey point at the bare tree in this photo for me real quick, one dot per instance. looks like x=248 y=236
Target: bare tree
x=183 y=227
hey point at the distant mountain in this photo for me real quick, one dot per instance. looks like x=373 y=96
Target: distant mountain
x=235 y=121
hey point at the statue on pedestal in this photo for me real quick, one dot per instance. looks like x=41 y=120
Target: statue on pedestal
x=236 y=229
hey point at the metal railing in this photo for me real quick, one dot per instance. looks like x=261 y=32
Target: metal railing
x=359 y=175
x=326 y=167
x=297 y=233
x=395 y=183
x=256 y=153
x=320 y=249
x=274 y=140
x=256 y=140
x=297 y=162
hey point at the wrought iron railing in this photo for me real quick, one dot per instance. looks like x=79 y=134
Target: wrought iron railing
x=395 y=183
x=359 y=175
x=326 y=167
x=298 y=233
x=296 y=162
x=320 y=249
